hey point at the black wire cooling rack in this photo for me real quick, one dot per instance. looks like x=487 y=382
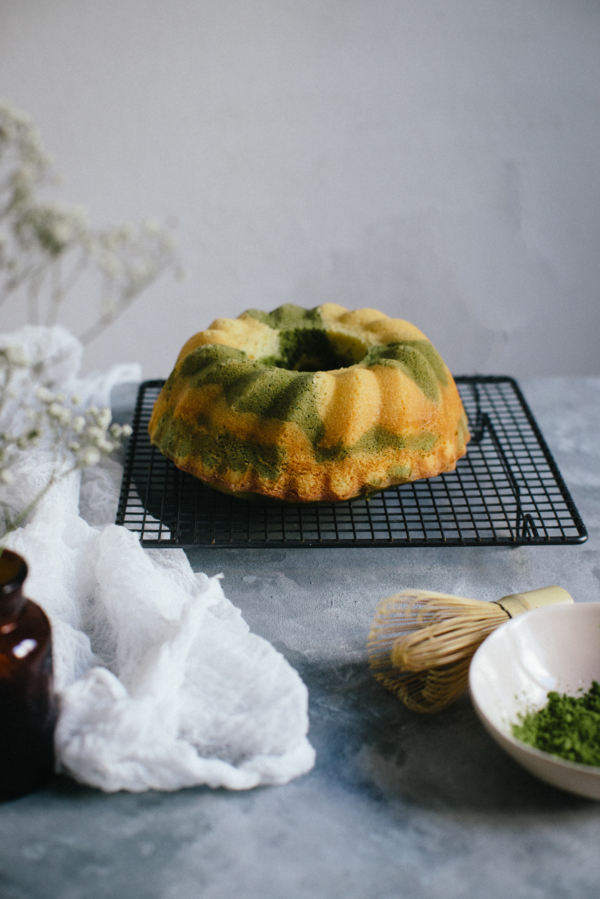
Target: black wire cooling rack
x=507 y=491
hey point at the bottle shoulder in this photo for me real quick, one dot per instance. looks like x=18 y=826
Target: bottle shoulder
x=27 y=637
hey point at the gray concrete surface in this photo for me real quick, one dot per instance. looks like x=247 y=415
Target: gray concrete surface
x=398 y=805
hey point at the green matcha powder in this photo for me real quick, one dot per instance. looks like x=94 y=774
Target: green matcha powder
x=567 y=727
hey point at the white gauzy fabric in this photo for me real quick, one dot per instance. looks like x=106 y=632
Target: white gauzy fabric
x=160 y=681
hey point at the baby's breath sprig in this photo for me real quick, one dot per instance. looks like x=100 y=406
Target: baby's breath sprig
x=76 y=438
x=46 y=249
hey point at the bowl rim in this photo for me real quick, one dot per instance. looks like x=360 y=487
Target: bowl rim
x=588 y=770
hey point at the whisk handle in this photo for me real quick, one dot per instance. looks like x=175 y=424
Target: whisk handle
x=517 y=603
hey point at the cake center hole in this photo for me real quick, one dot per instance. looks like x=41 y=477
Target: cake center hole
x=312 y=349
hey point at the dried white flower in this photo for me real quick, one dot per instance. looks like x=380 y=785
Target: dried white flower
x=94 y=433
x=60 y=413
x=16 y=355
x=44 y=395
x=89 y=457
x=104 y=418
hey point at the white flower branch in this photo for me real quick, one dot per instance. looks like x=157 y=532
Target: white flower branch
x=47 y=248
x=77 y=438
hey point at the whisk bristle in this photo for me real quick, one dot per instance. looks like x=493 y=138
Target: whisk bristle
x=421 y=644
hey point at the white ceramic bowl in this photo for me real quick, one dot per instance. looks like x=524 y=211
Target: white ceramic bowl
x=552 y=648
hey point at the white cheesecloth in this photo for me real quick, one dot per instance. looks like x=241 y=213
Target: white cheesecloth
x=160 y=681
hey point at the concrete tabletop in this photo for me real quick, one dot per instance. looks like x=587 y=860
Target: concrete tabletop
x=398 y=804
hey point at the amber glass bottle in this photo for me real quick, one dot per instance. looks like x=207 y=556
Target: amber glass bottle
x=27 y=703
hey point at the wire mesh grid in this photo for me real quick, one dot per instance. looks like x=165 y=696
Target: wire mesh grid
x=507 y=490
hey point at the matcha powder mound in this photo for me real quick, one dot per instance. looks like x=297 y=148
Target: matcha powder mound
x=568 y=727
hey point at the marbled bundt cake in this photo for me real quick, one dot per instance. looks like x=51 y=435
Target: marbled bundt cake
x=305 y=405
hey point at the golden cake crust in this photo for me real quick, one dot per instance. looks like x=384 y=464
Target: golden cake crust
x=311 y=405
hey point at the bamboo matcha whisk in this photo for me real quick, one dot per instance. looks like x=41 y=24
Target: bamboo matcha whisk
x=421 y=643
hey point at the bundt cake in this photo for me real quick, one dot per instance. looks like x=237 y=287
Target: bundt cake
x=310 y=404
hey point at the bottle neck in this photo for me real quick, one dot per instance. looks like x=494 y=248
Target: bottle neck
x=13 y=571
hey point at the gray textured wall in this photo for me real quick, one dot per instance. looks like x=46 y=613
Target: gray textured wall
x=436 y=160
